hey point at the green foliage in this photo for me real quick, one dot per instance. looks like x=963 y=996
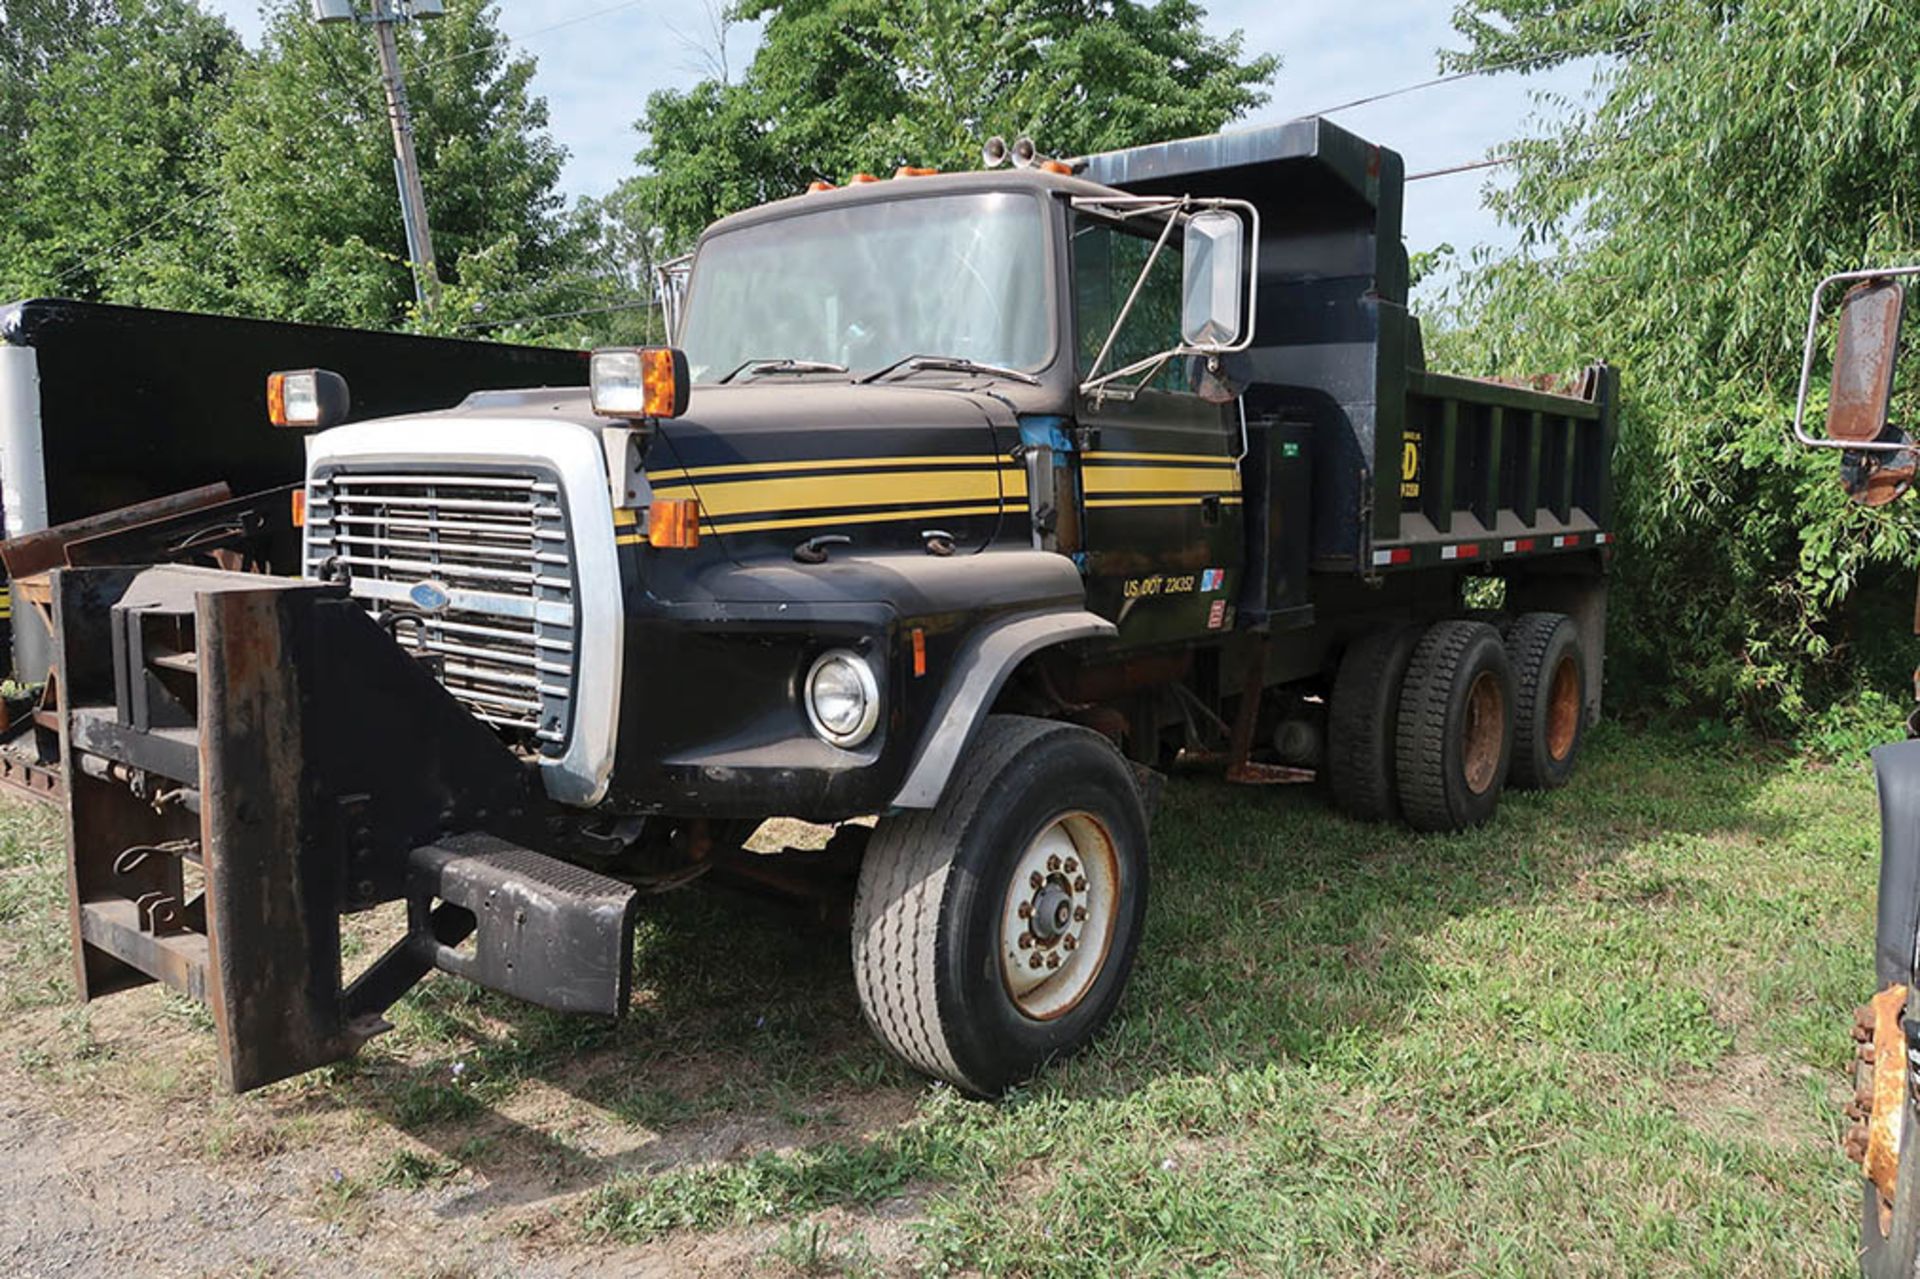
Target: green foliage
x=844 y=86
x=34 y=34
x=118 y=133
x=1730 y=155
x=164 y=165
x=306 y=168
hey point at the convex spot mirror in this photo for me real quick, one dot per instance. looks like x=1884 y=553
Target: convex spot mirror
x=1212 y=292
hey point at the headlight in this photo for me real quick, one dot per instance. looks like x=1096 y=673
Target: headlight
x=843 y=700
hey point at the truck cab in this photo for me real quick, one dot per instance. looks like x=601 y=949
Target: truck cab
x=887 y=381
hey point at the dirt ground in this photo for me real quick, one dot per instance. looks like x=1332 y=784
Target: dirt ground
x=124 y=1162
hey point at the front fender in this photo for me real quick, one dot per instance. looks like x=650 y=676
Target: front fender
x=989 y=658
x=1896 y=771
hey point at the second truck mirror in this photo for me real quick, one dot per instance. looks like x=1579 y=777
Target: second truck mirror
x=1213 y=254
x=1864 y=354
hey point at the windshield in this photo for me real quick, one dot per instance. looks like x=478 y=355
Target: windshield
x=866 y=285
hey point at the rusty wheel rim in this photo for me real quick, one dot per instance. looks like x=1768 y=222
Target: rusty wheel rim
x=1563 y=709
x=1485 y=731
x=1057 y=920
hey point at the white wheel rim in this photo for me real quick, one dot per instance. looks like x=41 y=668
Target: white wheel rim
x=1056 y=925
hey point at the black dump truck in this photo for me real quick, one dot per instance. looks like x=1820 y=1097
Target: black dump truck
x=1877 y=464
x=971 y=503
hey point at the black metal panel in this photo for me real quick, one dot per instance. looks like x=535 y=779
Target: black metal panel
x=138 y=403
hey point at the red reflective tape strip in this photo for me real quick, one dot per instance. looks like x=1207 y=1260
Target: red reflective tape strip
x=1468 y=550
x=1402 y=554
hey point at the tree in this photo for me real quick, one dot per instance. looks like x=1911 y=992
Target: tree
x=1730 y=155
x=116 y=142
x=306 y=173
x=843 y=86
x=164 y=165
x=34 y=34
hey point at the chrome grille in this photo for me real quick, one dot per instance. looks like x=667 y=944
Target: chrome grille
x=495 y=545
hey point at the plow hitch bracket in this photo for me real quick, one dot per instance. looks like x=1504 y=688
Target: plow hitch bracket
x=248 y=760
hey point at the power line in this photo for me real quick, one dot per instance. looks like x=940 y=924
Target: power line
x=167 y=214
x=636 y=305
x=1533 y=60
x=1461 y=168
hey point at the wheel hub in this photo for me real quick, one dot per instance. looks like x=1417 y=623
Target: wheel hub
x=1484 y=732
x=1874 y=1140
x=1052 y=915
x=1058 y=920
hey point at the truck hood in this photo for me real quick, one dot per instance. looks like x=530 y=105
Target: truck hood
x=780 y=461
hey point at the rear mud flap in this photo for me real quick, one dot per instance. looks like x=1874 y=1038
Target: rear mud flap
x=250 y=759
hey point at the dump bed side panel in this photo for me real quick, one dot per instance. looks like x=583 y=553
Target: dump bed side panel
x=1409 y=467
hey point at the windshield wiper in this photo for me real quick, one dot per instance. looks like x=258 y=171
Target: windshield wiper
x=757 y=366
x=951 y=364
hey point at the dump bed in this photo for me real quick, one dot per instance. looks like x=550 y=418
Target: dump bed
x=1410 y=467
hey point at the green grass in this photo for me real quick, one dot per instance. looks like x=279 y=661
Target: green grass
x=1605 y=1034
x=1350 y=1049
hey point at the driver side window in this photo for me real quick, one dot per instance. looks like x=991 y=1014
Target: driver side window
x=1107 y=259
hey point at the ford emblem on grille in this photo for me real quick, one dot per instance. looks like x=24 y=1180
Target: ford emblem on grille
x=429 y=596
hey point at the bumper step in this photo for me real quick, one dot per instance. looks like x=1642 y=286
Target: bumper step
x=543 y=930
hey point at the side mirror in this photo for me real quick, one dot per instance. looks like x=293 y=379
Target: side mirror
x=1212 y=308
x=1864 y=354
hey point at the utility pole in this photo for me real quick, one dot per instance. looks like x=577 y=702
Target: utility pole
x=382 y=16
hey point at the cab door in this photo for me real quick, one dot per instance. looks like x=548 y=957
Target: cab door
x=1158 y=467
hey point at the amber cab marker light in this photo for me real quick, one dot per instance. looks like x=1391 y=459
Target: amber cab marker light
x=818 y=185
x=316 y=398
x=913 y=171
x=919 y=652
x=674 y=522
x=861 y=179
x=639 y=382
x=299 y=497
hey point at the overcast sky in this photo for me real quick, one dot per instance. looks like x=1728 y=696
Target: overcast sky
x=599 y=59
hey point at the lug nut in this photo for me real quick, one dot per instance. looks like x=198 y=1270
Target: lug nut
x=1053 y=862
x=1080 y=884
x=1026 y=910
x=1026 y=941
x=1035 y=880
x=1053 y=961
x=1079 y=914
x=1071 y=866
x=1069 y=941
x=1033 y=962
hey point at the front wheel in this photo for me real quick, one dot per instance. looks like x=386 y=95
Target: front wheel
x=996 y=931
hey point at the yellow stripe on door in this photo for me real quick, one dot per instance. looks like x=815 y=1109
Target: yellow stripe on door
x=1160 y=479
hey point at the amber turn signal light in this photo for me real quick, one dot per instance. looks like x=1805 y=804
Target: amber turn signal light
x=299 y=497
x=673 y=522
x=645 y=381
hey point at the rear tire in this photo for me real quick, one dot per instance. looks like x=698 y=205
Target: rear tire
x=1362 y=723
x=1455 y=736
x=1550 y=699
x=1037 y=849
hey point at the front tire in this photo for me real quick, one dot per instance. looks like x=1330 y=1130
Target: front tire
x=1036 y=852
